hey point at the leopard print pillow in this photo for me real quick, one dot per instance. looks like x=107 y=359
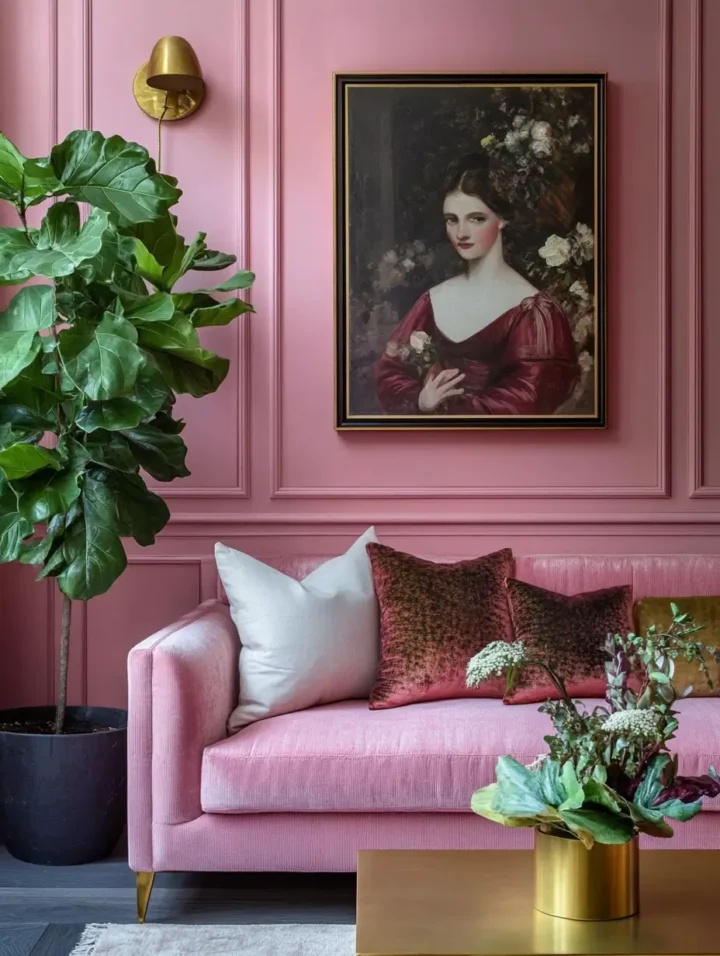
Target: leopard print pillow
x=568 y=632
x=433 y=618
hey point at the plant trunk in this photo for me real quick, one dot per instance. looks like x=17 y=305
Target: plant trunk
x=64 y=653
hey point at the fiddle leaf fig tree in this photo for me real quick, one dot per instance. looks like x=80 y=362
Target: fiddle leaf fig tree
x=92 y=356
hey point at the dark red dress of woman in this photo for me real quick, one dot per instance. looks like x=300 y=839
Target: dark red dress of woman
x=523 y=363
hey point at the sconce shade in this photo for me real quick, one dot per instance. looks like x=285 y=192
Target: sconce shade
x=174 y=67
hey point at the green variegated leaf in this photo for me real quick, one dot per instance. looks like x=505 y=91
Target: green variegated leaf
x=112 y=175
x=518 y=790
x=602 y=826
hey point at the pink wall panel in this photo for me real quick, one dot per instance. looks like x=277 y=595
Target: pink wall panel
x=320 y=36
x=269 y=473
x=146 y=598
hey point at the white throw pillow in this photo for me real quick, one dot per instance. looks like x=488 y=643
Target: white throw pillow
x=305 y=642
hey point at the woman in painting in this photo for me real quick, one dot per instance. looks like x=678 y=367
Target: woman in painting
x=485 y=342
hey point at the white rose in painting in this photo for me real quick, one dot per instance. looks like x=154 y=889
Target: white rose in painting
x=419 y=341
x=407 y=264
x=404 y=352
x=574 y=120
x=541 y=147
x=519 y=120
x=512 y=141
x=391 y=257
x=541 y=130
x=580 y=290
x=392 y=349
x=556 y=251
x=584 y=242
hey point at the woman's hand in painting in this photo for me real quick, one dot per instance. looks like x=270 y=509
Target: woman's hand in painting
x=439 y=387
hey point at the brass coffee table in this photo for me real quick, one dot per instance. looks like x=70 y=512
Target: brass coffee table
x=480 y=903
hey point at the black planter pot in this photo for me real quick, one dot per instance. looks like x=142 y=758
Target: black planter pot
x=63 y=798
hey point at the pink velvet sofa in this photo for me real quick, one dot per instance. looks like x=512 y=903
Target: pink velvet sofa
x=306 y=791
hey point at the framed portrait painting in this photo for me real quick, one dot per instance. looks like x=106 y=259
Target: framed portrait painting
x=470 y=251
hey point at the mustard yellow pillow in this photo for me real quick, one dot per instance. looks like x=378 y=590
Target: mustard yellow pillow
x=705 y=611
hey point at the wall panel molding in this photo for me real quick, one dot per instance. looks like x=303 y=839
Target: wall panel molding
x=696 y=377
x=661 y=488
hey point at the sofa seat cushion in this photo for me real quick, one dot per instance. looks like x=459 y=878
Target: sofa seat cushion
x=422 y=757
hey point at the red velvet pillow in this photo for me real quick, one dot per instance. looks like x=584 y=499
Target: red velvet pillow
x=433 y=619
x=568 y=632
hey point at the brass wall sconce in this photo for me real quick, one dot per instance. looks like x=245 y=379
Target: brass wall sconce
x=170 y=85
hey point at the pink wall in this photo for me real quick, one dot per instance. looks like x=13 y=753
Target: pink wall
x=269 y=473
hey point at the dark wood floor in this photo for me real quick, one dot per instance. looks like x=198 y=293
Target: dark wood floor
x=44 y=909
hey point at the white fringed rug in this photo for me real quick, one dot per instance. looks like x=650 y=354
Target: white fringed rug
x=158 y=939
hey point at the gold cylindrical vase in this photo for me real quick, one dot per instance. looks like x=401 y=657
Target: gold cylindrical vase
x=573 y=882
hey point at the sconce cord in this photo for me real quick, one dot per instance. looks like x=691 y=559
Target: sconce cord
x=159 y=142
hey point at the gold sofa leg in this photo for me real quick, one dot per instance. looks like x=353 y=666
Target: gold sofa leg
x=144 y=883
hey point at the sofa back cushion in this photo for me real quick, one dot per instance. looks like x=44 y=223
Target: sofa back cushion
x=682 y=575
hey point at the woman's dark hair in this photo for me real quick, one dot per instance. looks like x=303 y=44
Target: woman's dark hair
x=472 y=175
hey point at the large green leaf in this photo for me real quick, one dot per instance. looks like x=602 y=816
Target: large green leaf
x=518 y=793
x=186 y=366
x=602 y=826
x=92 y=549
x=159 y=237
x=219 y=313
x=148 y=266
x=162 y=455
x=14 y=528
x=158 y=307
x=210 y=260
x=677 y=810
x=38 y=550
x=114 y=264
x=21 y=460
x=31 y=310
x=575 y=795
x=47 y=493
x=141 y=514
x=601 y=794
x=113 y=175
x=183 y=263
x=483 y=801
x=147 y=397
x=32 y=389
x=110 y=450
x=21 y=424
x=17 y=351
x=60 y=247
x=652 y=781
x=241 y=280
x=103 y=362
x=12 y=167
x=39 y=182
x=78 y=299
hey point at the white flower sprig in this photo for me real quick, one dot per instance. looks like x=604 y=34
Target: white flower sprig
x=633 y=723
x=494 y=660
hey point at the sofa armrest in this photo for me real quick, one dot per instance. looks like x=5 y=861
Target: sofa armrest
x=182 y=687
